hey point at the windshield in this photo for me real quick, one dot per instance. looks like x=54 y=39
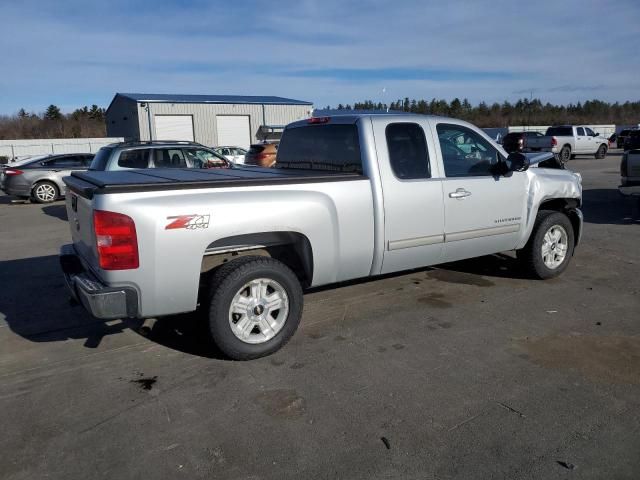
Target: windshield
x=321 y=147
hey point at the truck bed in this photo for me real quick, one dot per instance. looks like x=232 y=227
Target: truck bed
x=90 y=183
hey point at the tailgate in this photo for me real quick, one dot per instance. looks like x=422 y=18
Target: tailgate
x=80 y=215
x=538 y=143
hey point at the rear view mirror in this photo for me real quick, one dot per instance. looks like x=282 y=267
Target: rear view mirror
x=518 y=162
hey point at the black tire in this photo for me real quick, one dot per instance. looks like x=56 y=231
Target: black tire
x=531 y=256
x=602 y=152
x=565 y=154
x=38 y=194
x=228 y=281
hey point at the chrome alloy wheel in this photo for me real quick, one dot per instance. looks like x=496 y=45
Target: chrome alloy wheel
x=258 y=310
x=554 y=247
x=45 y=192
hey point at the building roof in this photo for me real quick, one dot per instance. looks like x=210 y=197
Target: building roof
x=169 y=98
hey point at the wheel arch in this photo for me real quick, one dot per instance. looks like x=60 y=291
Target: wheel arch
x=291 y=248
x=568 y=206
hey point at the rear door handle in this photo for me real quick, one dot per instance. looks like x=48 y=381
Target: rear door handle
x=460 y=193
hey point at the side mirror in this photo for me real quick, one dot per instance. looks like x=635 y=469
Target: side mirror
x=517 y=162
x=596 y=134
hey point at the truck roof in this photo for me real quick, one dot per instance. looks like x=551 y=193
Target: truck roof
x=354 y=117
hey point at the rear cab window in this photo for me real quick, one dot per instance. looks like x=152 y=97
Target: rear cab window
x=559 y=132
x=408 y=153
x=329 y=147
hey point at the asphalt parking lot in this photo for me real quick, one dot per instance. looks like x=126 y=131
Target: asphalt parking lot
x=464 y=371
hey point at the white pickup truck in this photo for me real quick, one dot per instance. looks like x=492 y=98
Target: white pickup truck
x=566 y=141
x=351 y=196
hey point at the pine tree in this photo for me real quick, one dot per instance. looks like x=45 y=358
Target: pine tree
x=22 y=113
x=52 y=113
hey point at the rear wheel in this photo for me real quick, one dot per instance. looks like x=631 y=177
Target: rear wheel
x=45 y=192
x=550 y=246
x=256 y=306
x=565 y=154
x=602 y=152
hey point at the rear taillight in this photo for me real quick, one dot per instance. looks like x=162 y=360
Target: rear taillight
x=116 y=240
x=554 y=141
x=9 y=172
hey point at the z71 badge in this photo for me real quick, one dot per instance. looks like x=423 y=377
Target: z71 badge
x=189 y=222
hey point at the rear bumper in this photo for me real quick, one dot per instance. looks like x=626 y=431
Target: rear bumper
x=101 y=301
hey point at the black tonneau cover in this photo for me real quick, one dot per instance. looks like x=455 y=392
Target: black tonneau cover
x=91 y=183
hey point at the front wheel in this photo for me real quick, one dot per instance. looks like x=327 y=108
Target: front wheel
x=602 y=152
x=256 y=306
x=45 y=192
x=550 y=246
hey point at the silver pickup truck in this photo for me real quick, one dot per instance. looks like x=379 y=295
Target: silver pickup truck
x=351 y=196
x=567 y=141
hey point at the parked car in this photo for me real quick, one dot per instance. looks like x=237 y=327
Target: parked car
x=157 y=154
x=517 y=141
x=262 y=154
x=632 y=140
x=41 y=178
x=233 y=154
x=567 y=141
x=351 y=196
x=622 y=136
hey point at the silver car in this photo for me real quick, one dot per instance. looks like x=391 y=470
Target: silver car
x=41 y=178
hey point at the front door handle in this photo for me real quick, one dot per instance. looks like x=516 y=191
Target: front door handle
x=460 y=193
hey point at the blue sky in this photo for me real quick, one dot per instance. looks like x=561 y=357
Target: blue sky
x=72 y=52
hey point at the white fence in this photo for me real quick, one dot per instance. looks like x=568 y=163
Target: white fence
x=18 y=148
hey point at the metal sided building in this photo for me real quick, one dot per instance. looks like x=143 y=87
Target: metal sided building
x=212 y=120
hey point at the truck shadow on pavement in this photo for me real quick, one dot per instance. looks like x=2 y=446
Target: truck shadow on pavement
x=606 y=206
x=35 y=305
x=58 y=211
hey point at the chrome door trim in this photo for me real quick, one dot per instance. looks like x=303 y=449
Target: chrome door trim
x=414 y=242
x=482 y=232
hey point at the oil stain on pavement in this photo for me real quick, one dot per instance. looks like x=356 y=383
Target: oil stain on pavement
x=610 y=359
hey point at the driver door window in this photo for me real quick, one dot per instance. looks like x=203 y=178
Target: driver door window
x=464 y=152
x=205 y=159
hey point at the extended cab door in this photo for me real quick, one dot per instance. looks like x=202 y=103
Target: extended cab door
x=484 y=213
x=413 y=208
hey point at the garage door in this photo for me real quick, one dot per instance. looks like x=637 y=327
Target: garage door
x=233 y=130
x=174 y=127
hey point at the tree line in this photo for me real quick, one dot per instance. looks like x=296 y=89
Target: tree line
x=523 y=112
x=84 y=122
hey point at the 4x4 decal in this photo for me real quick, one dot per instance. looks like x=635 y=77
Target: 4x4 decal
x=189 y=222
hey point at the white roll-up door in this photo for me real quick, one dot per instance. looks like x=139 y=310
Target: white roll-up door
x=233 y=130
x=174 y=127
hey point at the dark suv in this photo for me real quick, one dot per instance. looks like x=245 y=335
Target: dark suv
x=632 y=140
x=517 y=141
x=621 y=137
x=157 y=154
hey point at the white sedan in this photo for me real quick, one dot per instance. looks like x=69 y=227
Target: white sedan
x=235 y=154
